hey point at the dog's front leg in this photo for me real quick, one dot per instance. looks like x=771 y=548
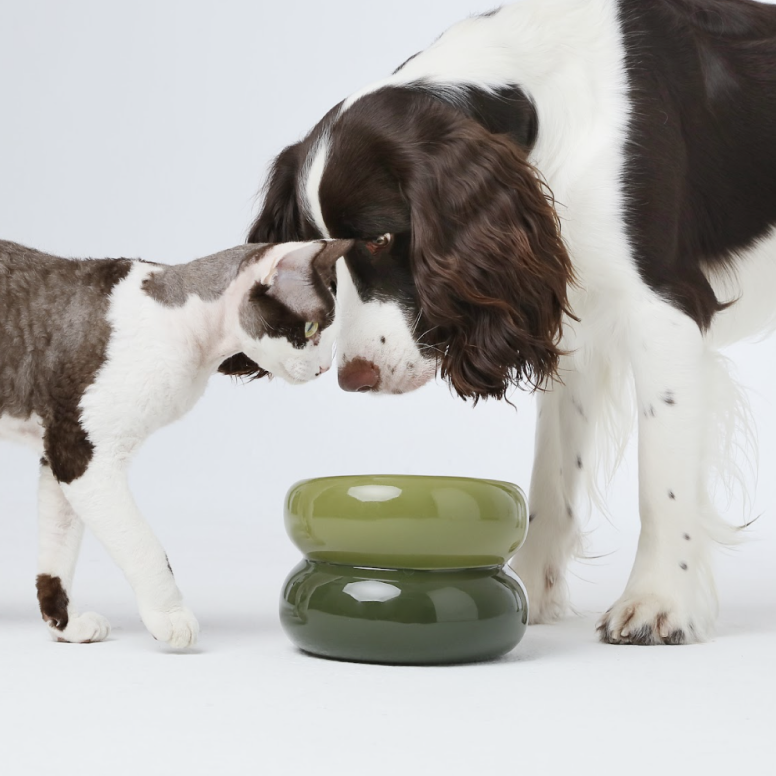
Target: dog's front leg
x=669 y=597
x=566 y=416
x=102 y=499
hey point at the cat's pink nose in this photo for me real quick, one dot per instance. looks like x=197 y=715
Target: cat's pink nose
x=359 y=375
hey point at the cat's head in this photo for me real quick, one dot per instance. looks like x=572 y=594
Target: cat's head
x=286 y=313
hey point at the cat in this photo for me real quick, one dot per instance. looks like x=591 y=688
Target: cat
x=97 y=354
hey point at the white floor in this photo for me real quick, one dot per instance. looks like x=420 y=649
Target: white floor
x=247 y=701
x=145 y=129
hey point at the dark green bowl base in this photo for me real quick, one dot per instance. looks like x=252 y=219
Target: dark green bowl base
x=403 y=617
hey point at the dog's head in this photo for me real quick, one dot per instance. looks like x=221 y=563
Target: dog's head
x=459 y=264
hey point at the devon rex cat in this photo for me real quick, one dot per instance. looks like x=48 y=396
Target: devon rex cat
x=95 y=355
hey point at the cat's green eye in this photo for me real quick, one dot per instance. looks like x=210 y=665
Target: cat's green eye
x=310 y=328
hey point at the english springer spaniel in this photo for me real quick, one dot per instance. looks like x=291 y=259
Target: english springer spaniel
x=568 y=195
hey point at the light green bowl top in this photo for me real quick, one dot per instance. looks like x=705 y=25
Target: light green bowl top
x=403 y=521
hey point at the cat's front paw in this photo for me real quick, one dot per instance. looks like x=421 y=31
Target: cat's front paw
x=83 y=629
x=178 y=628
x=649 y=619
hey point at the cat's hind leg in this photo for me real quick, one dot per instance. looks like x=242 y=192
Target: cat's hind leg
x=60 y=532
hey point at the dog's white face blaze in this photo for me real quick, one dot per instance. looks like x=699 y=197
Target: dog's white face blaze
x=376 y=331
x=379 y=332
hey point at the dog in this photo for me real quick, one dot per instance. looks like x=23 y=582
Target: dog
x=574 y=196
x=96 y=355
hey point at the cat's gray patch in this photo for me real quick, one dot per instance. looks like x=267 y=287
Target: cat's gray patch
x=53 y=336
x=206 y=278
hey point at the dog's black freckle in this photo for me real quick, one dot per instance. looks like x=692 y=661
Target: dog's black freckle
x=382 y=339
x=668 y=398
x=651 y=411
x=687 y=537
x=683 y=566
x=569 y=511
x=579 y=462
x=671 y=495
x=410 y=366
x=531 y=517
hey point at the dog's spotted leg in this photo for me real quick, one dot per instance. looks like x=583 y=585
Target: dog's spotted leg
x=60 y=532
x=669 y=598
x=563 y=440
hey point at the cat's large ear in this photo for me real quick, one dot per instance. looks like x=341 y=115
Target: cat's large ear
x=302 y=277
x=280 y=219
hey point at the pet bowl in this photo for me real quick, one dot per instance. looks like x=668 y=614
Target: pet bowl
x=405 y=570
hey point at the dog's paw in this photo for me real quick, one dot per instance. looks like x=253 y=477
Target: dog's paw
x=83 y=629
x=178 y=628
x=548 y=598
x=647 y=620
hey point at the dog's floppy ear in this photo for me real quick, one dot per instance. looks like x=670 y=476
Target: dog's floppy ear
x=279 y=219
x=489 y=264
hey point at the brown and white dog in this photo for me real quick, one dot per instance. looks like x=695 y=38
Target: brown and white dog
x=573 y=188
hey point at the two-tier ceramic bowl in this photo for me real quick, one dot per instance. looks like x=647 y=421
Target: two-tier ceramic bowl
x=405 y=570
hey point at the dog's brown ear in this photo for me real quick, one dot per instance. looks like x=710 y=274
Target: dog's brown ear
x=279 y=219
x=489 y=264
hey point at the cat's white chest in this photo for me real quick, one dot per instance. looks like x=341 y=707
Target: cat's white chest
x=154 y=371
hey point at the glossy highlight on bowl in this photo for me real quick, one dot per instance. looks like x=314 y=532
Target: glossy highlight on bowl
x=405 y=521
x=405 y=570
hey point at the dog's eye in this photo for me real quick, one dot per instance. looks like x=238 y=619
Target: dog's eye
x=380 y=243
x=310 y=328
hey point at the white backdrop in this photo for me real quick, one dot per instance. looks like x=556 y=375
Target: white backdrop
x=145 y=129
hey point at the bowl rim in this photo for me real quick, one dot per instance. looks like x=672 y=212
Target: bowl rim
x=452 y=477
x=410 y=485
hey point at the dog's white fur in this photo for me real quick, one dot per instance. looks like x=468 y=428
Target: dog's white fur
x=568 y=57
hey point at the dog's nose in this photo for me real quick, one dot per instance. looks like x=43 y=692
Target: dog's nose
x=322 y=370
x=360 y=375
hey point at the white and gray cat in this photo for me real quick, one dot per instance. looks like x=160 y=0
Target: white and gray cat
x=95 y=355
